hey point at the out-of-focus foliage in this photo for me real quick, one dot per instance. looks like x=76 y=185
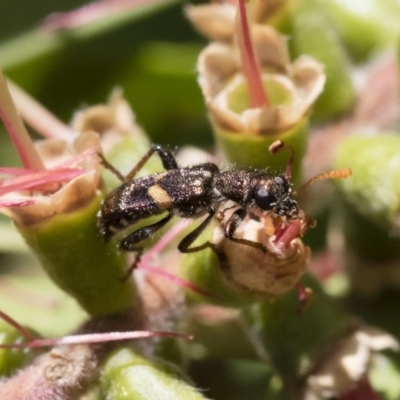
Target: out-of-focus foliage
x=151 y=55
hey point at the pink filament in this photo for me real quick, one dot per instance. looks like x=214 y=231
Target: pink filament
x=93 y=338
x=160 y=246
x=176 y=279
x=90 y=13
x=17 y=326
x=10 y=203
x=12 y=121
x=39 y=180
x=251 y=69
x=285 y=234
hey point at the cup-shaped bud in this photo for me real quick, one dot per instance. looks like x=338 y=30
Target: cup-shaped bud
x=60 y=227
x=253 y=94
x=238 y=273
x=53 y=202
x=264 y=275
x=122 y=140
x=128 y=375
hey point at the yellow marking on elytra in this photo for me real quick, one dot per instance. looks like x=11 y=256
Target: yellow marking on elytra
x=160 y=196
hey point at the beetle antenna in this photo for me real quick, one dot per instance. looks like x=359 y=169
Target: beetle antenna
x=279 y=145
x=335 y=174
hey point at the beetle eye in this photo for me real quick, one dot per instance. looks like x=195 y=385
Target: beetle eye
x=264 y=199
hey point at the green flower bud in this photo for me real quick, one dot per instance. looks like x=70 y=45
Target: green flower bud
x=252 y=106
x=127 y=375
x=237 y=275
x=313 y=34
x=76 y=257
x=365 y=27
x=248 y=150
x=373 y=189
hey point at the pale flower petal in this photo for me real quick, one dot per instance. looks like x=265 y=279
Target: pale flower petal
x=215 y=21
x=266 y=275
x=223 y=83
x=75 y=193
x=348 y=363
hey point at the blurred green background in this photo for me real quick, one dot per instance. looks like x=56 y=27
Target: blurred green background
x=150 y=52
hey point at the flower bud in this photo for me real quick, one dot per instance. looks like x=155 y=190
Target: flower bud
x=127 y=375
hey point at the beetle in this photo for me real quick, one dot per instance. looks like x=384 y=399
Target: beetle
x=191 y=192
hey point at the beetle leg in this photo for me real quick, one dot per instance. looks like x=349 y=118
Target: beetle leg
x=192 y=236
x=167 y=159
x=128 y=243
x=207 y=167
x=138 y=256
x=233 y=223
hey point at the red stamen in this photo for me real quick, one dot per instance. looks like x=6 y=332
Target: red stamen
x=10 y=203
x=90 y=13
x=165 y=240
x=39 y=180
x=78 y=158
x=251 y=69
x=32 y=180
x=15 y=171
x=94 y=338
x=158 y=248
x=24 y=332
x=176 y=279
x=285 y=234
x=16 y=129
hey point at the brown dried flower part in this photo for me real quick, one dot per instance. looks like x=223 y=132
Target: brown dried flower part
x=79 y=152
x=216 y=20
x=61 y=374
x=291 y=88
x=266 y=275
x=348 y=363
x=94 y=129
x=112 y=120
